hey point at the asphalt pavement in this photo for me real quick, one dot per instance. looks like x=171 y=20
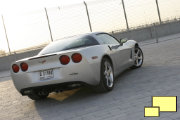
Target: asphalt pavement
x=134 y=88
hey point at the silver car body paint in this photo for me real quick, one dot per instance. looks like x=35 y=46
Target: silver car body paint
x=87 y=71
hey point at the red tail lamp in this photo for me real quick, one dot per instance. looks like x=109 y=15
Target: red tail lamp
x=24 y=66
x=76 y=57
x=15 y=68
x=64 y=59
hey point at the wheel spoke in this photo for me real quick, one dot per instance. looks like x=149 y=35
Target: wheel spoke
x=106 y=78
x=111 y=78
x=105 y=73
x=140 y=57
x=137 y=62
x=107 y=81
x=137 y=53
x=109 y=71
x=105 y=65
x=106 y=68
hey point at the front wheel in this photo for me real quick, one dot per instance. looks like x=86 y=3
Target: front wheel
x=138 y=57
x=107 y=76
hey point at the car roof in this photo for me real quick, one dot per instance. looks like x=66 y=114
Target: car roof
x=85 y=34
x=95 y=33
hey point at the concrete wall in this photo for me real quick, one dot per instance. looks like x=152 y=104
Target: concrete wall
x=137 y=34
x=150 y=32
x=5 y=62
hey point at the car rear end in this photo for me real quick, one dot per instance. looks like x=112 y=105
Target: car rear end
x=53 y=71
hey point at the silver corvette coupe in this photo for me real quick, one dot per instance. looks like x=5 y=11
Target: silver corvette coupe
x=92 y=59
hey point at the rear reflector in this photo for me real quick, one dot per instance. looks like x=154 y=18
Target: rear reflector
x=15 y=68
x=64 y=59
x=76 y=57
x=24 y=66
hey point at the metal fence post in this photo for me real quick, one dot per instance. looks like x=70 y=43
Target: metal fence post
x=89 y=21
x=158 y=10
x=156 y=34
x=125 y=15
x=59 y=8
x=6 y=35
x=49 y=24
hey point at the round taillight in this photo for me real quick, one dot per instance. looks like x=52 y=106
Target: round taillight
x=76 y=57
x=24 y=66
x=15 y=68
x=64 y=59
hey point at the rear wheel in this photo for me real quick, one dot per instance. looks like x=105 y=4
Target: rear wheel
x=107 y=76
x=37 y=96
x=138 y=56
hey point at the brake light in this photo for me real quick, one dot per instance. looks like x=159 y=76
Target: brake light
x=76 y=57
x=24 y=66
x=64 y=59
x=15 y=68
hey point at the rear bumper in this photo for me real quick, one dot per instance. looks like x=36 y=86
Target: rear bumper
x=53 y=87
x=86 y=74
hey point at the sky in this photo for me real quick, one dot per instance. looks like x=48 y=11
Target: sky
x=7 y=6
x=10 y=9
x=27 y=26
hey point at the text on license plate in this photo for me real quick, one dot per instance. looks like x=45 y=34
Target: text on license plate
x=46 y=74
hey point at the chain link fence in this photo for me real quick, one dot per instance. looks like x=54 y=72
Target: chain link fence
x=34 y=30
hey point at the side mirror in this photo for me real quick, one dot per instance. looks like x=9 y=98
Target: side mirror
x=122 y=41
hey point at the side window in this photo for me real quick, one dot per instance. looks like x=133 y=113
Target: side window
x=88 y=40
x=107 y=39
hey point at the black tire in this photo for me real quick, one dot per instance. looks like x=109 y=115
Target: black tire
x=103 y=85
x=138 y=65
x=36 y=96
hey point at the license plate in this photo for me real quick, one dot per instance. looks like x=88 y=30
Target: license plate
x=46 y=74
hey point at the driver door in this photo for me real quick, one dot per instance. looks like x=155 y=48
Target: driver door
x=118 y=52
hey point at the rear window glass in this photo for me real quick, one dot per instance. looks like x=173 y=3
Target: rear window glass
x=69 y=43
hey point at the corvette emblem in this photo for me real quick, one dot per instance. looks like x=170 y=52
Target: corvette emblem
x=42 y=61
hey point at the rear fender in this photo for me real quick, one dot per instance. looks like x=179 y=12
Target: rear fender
x=94 y=57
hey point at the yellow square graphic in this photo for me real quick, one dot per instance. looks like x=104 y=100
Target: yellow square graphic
x=166 y=104
x=151 y=111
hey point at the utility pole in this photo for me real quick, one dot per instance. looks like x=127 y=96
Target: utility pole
x=158 y=10
x=49 y=24
x=89 y=21
x=125 y=14
x=6 y=35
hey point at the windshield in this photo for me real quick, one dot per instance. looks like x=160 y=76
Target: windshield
x=69 y=43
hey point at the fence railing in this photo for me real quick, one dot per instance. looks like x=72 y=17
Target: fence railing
x=23 y=32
